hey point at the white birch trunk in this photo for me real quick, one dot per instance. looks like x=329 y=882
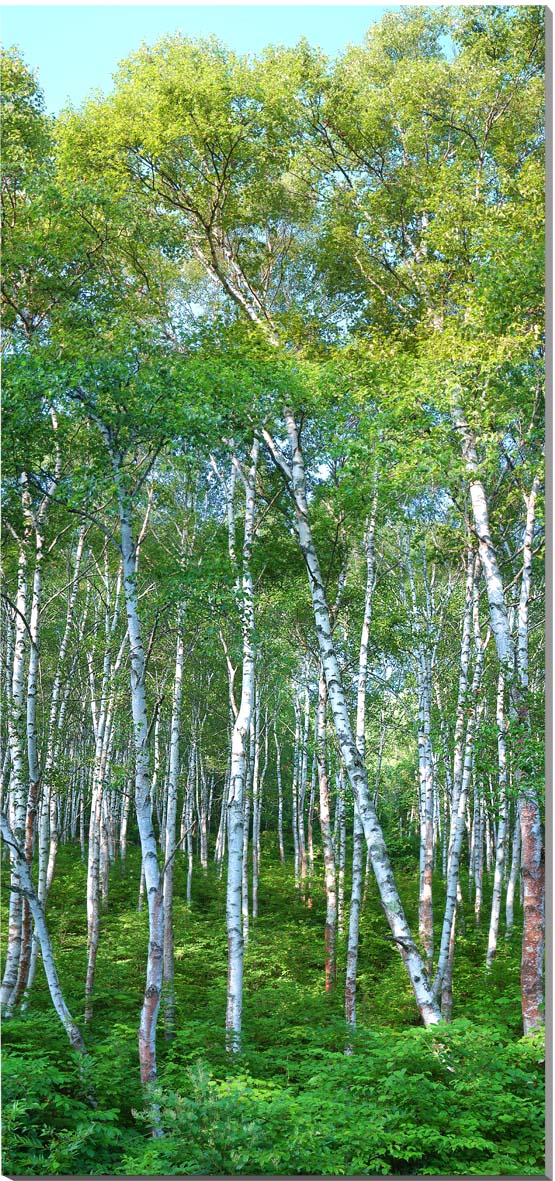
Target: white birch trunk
x=16 y=740
x=358 y=834
x=458 y=814
x=356 y=771
x=330 y=877
x=26 y=885
x=170 y=838
x=295 y=796
x=502 y=823
x=280 y=796
x=532 y=852
x=342 y=848
x=513 y=877
x=241 y=728
x=301 y=795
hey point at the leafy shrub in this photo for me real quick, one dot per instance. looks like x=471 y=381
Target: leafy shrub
x=48 y=1127
x=449 y=1100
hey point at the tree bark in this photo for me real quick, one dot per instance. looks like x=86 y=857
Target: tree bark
x=358 y=834
x=296 y=482
x=239 y=738
x=502 y=823
x=327 y=841
x=532 y=852
x=26 y=885
x=170 y=835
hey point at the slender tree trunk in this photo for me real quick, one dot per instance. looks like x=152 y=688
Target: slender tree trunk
x=280 y=796
x=358 y=834
x=461 y=788
x=425 y=766
x=16 y=739
x=447 y=979
x=93 y=912
x=170 y=835
x=502 y=825
x=532 y=852
x=356 y=771
x=310 y=830
x=256 y=788
x=513 y=876
x=240 y=734
x=219 y=851
x=26 y=885
x=295 y=796
x=327 y=841
x=246 y=832
x=342 y=848
x=32 y=764
x=478 y=853
x=303 y=771
x=143 y=805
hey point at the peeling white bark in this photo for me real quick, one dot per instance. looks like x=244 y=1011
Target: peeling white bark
x=296 y=482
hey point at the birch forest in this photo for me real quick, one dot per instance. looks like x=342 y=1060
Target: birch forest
x=273 y=605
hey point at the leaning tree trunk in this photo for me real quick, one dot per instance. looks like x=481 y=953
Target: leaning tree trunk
x=26 y=886
x=402 y=935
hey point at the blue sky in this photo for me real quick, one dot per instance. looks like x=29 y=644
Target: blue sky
x=75 y=48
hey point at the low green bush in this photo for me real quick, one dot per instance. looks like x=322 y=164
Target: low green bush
x=448 y=1100
x=465 y=1098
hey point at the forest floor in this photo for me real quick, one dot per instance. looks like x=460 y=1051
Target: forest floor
x=466 y=1098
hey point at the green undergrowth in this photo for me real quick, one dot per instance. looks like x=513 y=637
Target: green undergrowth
x=461 y=1099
